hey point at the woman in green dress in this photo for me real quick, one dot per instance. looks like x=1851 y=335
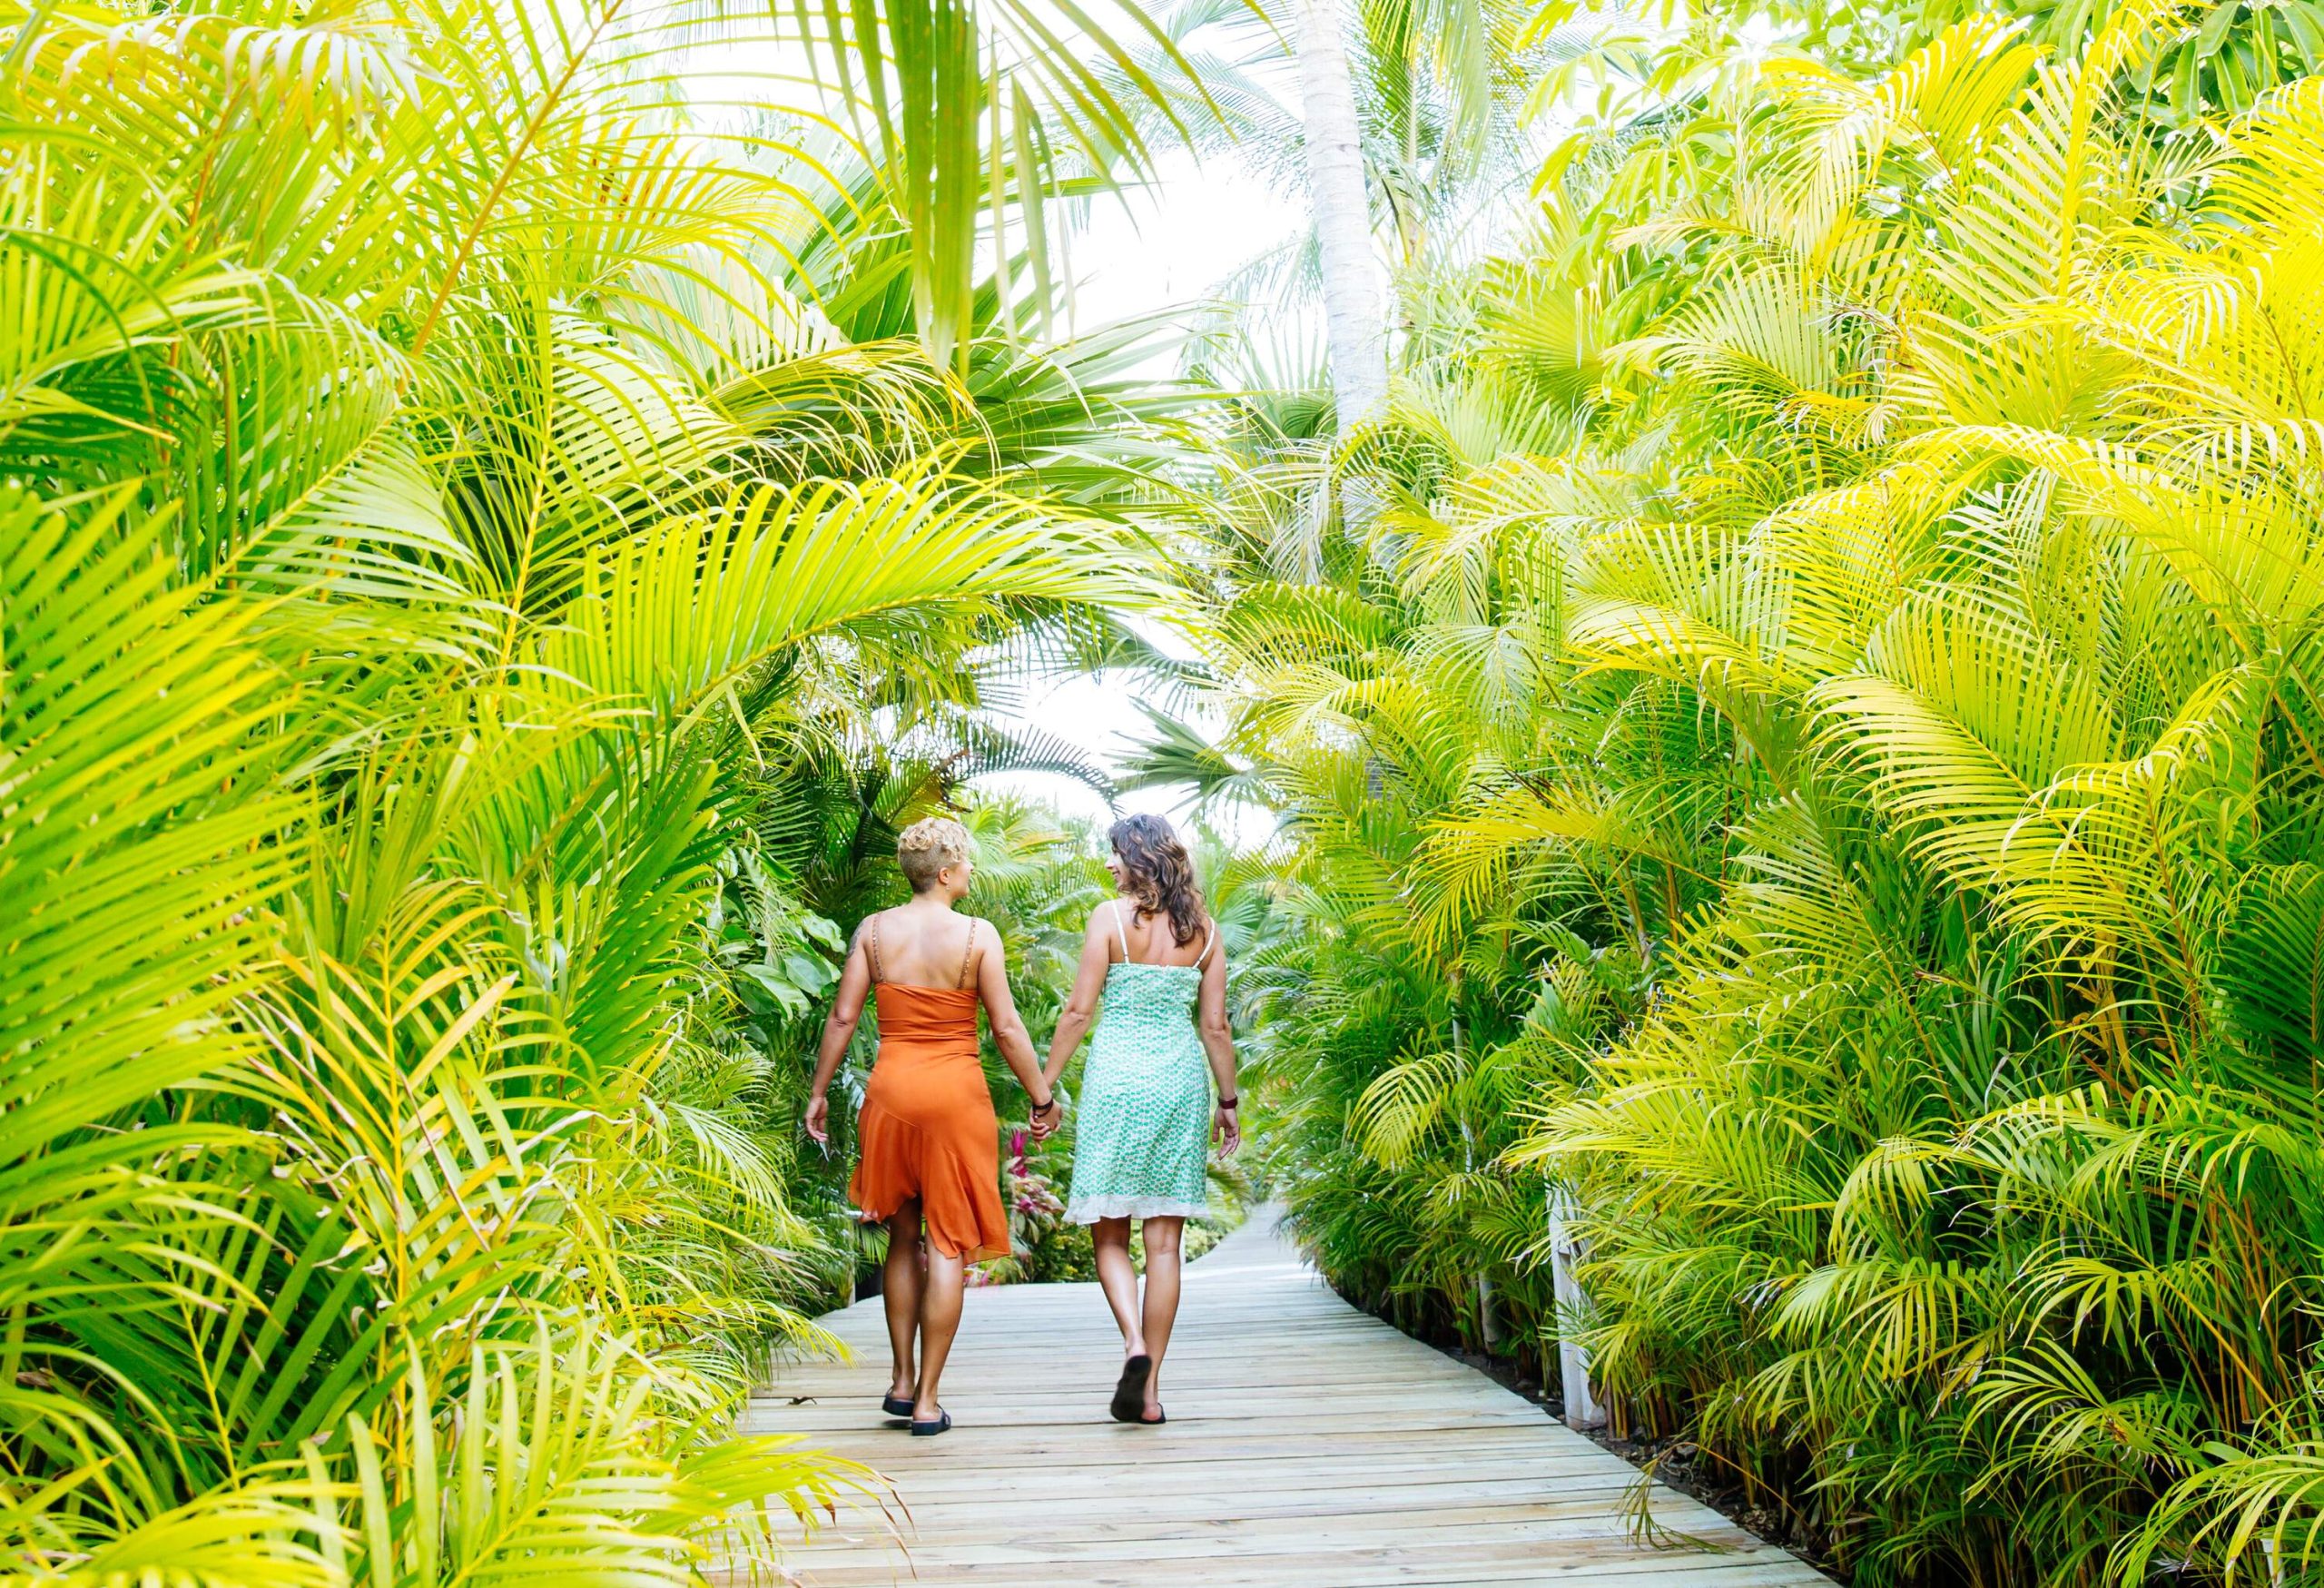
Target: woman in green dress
x=1144 y=1117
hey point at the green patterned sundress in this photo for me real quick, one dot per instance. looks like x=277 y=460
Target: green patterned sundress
x=1142 y=1126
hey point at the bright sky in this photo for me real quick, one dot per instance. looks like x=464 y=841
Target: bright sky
x=1167 y=247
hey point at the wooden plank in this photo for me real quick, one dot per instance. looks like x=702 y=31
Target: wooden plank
x=1309 y=1447
x=1463 y=1567
x=1256 y=1481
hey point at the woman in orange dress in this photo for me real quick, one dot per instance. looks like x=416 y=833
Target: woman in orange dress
x=930 y=1144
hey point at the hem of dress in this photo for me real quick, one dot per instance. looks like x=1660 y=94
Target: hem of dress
x=1089 y=1209
x=974 y=1254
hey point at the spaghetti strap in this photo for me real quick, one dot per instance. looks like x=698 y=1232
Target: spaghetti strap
x=967 y=954
x=1209 y=941
x=1119 y=930
x=872 y=944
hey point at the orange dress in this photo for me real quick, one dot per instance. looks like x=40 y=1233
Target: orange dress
x=928 y=1129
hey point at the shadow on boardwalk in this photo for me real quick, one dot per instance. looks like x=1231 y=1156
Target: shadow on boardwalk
x=1309 y=1447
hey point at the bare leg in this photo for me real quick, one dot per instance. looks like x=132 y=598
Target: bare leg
x=899 y=1288
x=940 y=1320
x=1162 y=1239
x=1120 y=1277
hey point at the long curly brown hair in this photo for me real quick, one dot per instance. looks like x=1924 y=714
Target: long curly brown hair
x=1157 y=874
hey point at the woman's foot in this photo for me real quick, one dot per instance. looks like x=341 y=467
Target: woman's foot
x=928 y=1427
x=1129 y=1391
x=1152 y=1415
x=901 y=1394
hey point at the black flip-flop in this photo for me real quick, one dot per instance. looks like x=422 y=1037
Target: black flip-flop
x=1155 y=1421
x=1129 y=1393
x=895 y=1405
x=943 y=1424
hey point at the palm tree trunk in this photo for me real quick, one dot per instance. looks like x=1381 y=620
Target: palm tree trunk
x=1342 y=217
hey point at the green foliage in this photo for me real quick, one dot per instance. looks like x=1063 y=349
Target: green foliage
x=447 y=574
x=1813 y=752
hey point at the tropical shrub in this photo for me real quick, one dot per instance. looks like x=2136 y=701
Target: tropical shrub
x=438 y=538
x=1812 y=757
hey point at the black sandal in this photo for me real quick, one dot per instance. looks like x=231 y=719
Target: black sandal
x=1155 y=1421
x=943 y=1424
x=1129 y=1393
x=895 y=1405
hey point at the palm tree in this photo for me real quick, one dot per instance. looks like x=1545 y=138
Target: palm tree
x=1823 y=704
x=1342 y=211
x=1401 y=119
x=428 y=475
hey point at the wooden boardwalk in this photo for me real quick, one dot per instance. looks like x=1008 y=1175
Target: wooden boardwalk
x=1309 y=1447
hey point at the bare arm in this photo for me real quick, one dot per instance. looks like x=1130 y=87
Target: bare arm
x=838 y=1029
x=1082 y=1003
x=1008 y=1026
x=1218 y=1042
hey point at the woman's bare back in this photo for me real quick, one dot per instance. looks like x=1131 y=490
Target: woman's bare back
x=923 y=945
x=1148 y=936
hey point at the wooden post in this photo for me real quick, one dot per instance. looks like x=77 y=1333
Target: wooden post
x=1582 y=1409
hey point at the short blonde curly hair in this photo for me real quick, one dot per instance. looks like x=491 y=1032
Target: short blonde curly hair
x=926 y=847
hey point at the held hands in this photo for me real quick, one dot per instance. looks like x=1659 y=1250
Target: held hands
x=1046 y=1121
